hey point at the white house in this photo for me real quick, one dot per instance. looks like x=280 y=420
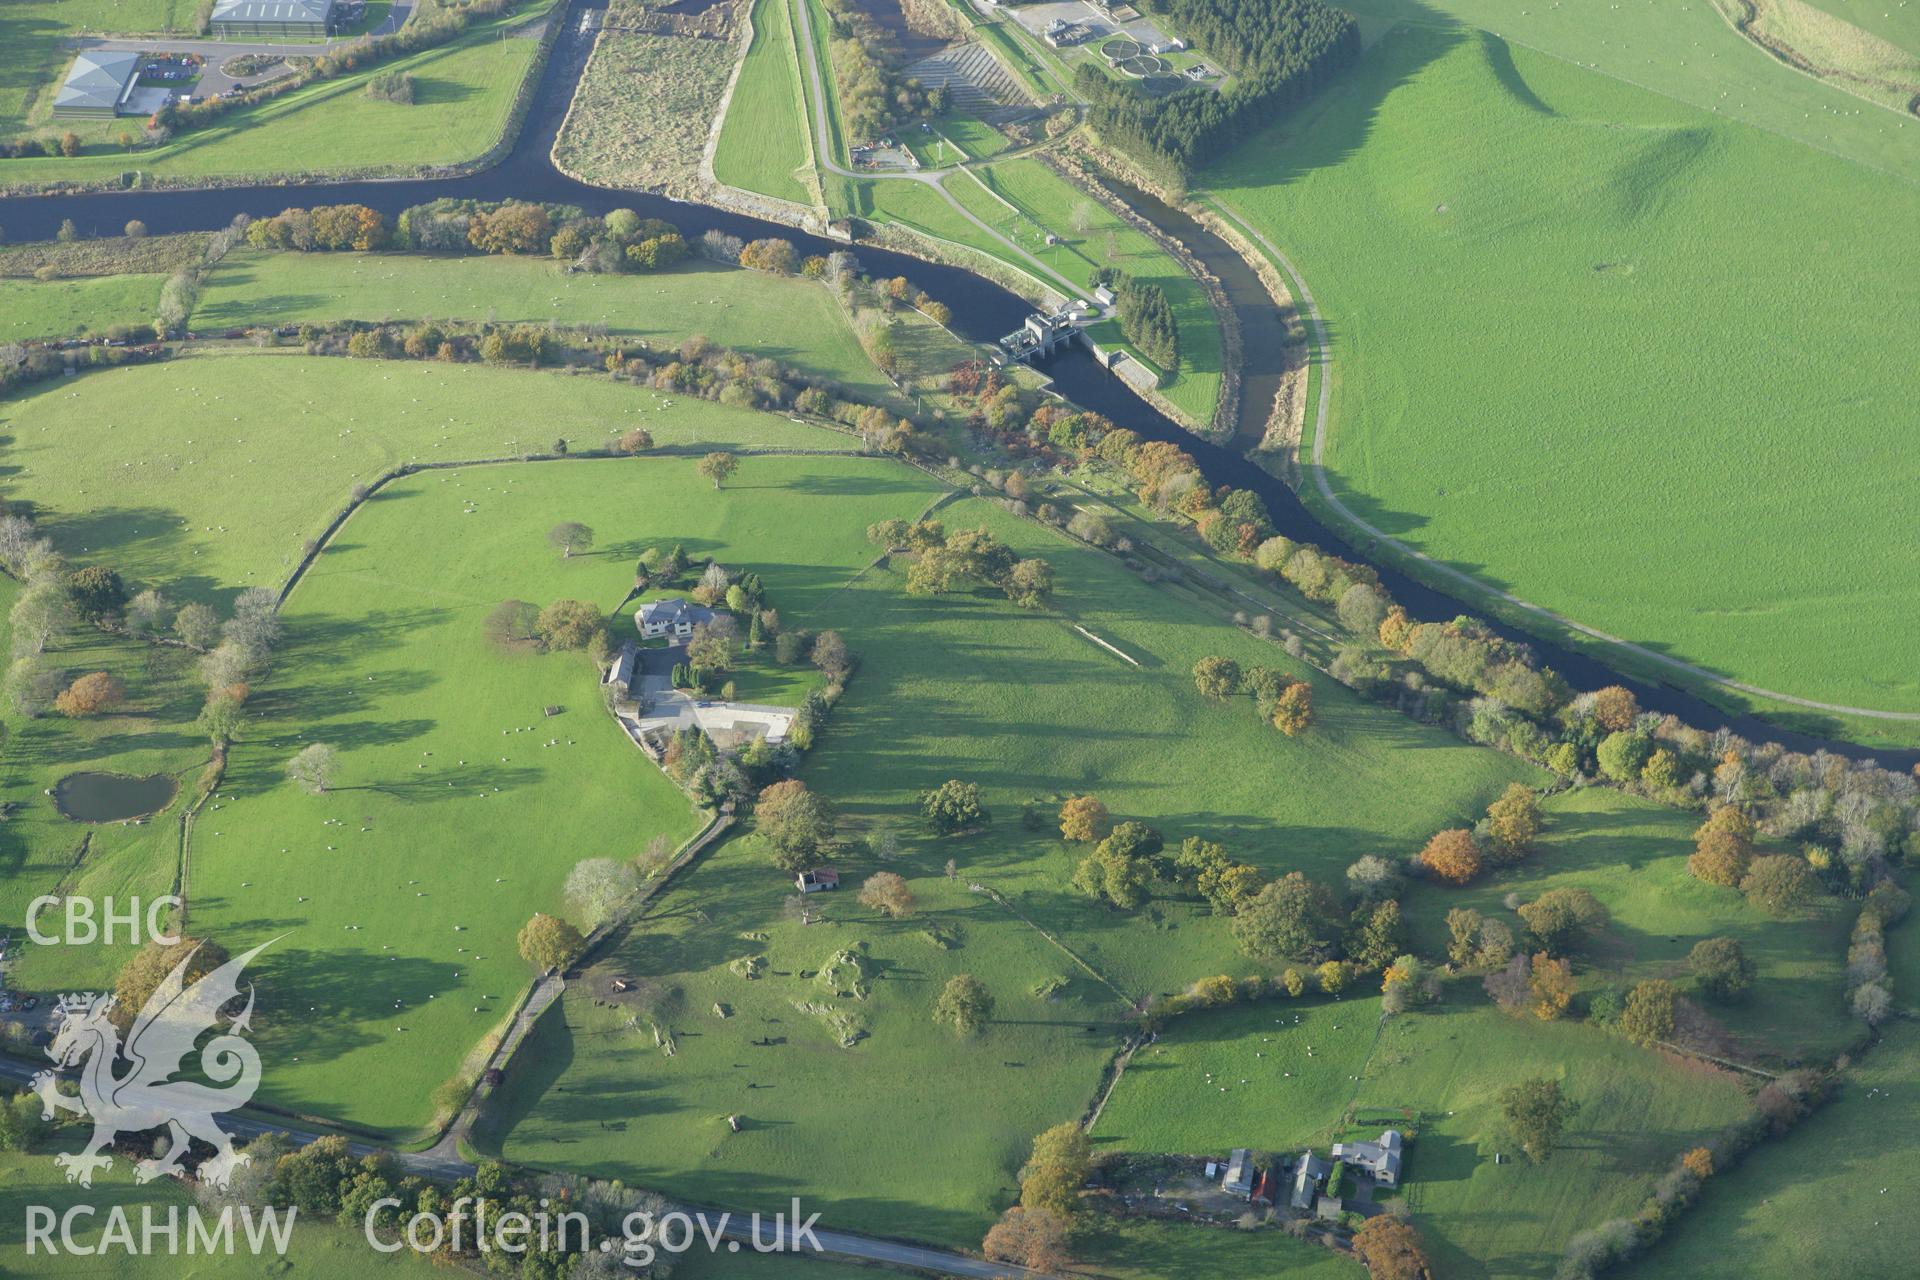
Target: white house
x=675 y=618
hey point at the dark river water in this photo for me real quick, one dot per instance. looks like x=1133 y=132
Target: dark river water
x=982 y=311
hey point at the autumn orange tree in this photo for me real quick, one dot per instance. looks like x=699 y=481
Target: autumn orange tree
x=1551 y=986
x=90 y=695
x=1293 y=711
x=1723 y=847
x=1390 y=1248
x=1084 y=819
x=1452 y=856
x=1032 y=1238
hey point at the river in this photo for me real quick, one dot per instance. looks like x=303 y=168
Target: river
x=982 y=311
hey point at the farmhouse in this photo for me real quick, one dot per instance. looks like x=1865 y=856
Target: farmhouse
x=234 y=19
x=98 y=84
x=676 y=618
x=818 y=880
x=1377 y=1160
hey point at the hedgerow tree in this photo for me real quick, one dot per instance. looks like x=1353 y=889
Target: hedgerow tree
x=1389 y=1247
x=548 y=942
x=1057 y=1169
x=1031 y=1238
x=717 y=466
x=1290 y=919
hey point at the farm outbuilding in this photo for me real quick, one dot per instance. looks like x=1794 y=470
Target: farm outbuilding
x=98 y=84
x=238 y=19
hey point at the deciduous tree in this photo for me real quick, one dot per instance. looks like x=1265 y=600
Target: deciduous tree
x=887 y=892
x=1084 y=819
x=717 y=466
x=1512 y=823
x=568 y=537
x=1051 y=1180
x=1723 y=847
x=1647 y=1017
x=965 y=1004
x=954 y=806
x=314 y=767
x=1721 y=967
x=1536 y=1111
x=548 y=942
x=795 y=822
x=90 y=695
x=1452 y=856
x=1780 y=884
x=1216 y=677
x=1389 y=1247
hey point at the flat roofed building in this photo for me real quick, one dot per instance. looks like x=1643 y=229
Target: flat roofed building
x=241 y=18
x=98 y=84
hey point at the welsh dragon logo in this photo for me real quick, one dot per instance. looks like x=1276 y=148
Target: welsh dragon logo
x=143 y=1096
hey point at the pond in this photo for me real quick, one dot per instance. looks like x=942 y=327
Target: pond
x=112 y=797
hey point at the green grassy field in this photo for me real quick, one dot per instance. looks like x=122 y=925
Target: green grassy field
x=1638 y=1111
x=63 y=308
x=464 y=91
x=1632 y=855
x=1515 y=257
x=208 y=501
x=1690 y=53
x=461 y=807
x=764 y=142
x=1891 y=20
x=597 y=1093
x=1242 y=1077
x=1838 y=1189
x=1144 y=1248
x=792 y=320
